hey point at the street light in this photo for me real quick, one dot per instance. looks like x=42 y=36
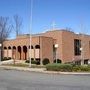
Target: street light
x=0 y=51
x=56 y=46
x=81 y=49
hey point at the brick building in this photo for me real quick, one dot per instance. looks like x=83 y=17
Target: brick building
x=71 y=47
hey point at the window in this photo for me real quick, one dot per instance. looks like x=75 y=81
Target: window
x=86 y=61
x=37 y=46
x=14 y=47
x=31 y=47
x=5 y=47
x=78 y=62
x=9 y=47
x=77 y=46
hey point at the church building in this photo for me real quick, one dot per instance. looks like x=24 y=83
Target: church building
x=56 y=44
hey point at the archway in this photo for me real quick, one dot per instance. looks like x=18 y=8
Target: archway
x=14 y=52
x=5 y=47
x=19 y=52
x=24 y=52
x=9 y=52
x=37 y=46
x=37 y=51
x=31 y=51
x=5 y=55
x=31 y=47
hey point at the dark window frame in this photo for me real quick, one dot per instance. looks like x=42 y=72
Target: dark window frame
x=77 y=46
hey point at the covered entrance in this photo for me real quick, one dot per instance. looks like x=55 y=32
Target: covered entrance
x=24 y=52
x=14 y=52
x=19 y=52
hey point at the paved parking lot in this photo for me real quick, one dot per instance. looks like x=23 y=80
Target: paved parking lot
x=20 y=80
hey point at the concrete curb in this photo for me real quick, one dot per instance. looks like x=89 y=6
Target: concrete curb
x=42 y=70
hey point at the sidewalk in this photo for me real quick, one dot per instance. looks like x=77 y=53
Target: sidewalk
x=41 y=70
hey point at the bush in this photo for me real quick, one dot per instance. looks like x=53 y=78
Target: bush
x=37 y=62
x=46 y=61
x=27 y=61
x=58 y=61
x=59 y=67
x=84 y=68
x=68 y=67
x=88 y=65
x=6 y=58
x=76 y=68
x=32 y=61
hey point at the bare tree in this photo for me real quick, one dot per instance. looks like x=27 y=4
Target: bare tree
x=5 y=28
x=18 y=24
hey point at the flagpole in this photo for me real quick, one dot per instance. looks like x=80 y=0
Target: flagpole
x=30 y=31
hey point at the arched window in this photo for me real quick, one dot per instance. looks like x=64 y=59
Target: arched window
x=25 y=48
x=25 y=52
x=9 y=47
x=31 y=47
x=19 y=52
x=37 y=46
x=19 y=48
x=5 y=47
x=14 y=47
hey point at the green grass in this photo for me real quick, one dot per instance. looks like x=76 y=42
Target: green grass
x=38 y=66
x=24 y=65
x=17 y=65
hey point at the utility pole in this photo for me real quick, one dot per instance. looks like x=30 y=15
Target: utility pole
x=30 y=31
x=0 y=52
x=82 y=45
x=56 y=47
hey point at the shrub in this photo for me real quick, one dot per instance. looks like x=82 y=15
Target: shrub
x=6 y=58
x=84 y=68
x=76 y=68
x=88 y=65
x=27 y=61
x=59 y=67
x=32 y=61
x=68 y=67
x=45 y=61
x=58 y=61
x=81 y=68
x=37 y=62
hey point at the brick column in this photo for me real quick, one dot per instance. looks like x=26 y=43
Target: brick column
x=22 y=53
x=41 y=58
x=28 y=52
x=16 y=53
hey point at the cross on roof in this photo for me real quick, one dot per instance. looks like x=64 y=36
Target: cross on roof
x=53 y=25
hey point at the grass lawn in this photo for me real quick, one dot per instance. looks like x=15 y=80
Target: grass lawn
x=24 y=65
